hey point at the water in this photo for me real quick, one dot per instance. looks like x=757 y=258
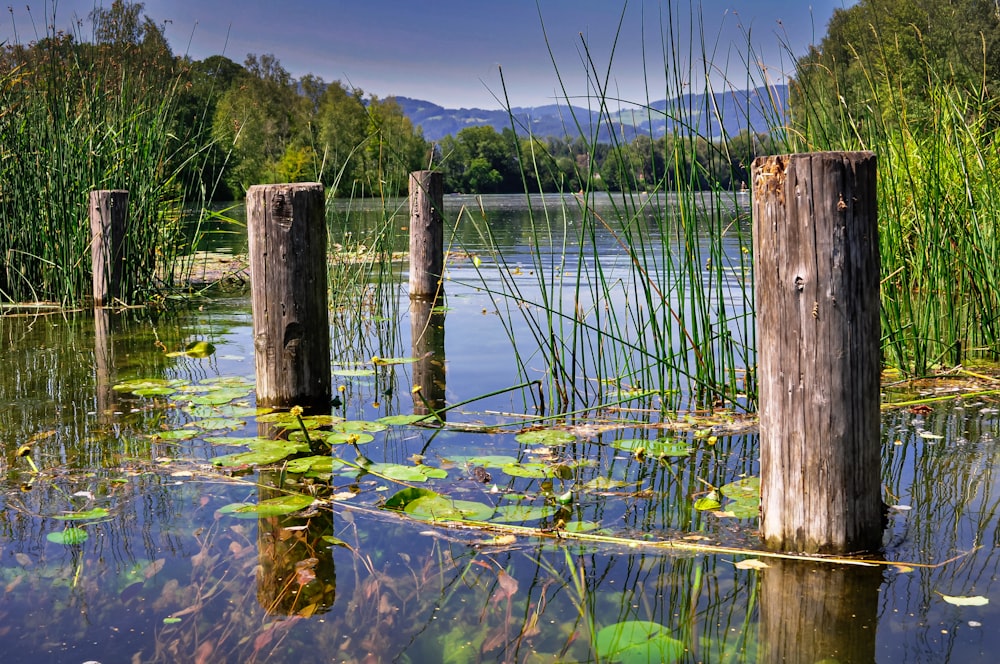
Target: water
x=169 y=573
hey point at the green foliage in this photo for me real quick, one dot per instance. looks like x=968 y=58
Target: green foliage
x=80 y=116
x=914 y=82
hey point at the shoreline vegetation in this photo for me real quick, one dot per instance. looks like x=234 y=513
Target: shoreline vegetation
x=907 y=79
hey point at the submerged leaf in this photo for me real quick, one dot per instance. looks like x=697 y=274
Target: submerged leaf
x=636 y=641
x=69 y=536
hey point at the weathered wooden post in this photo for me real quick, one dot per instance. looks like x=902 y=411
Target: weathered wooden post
x=286 y=225
x=426 y=234
x=108 y=212
x=815 y=236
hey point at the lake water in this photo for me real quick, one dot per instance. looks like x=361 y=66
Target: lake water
x=131 y=545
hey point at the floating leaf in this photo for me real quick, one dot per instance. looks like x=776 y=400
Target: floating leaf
x=486 y=461
x=217 y=424
x=402 y=420
x=927 y=435
x=354 y=373
x=518 y=513
x=742 y=509
x=545 y=437
x=348 y=438
x=429 y=505
x=395 y=471
x=199 y=349
x=273 y=507
x=581 y=526
x=752 y=563
x=174 y=434
x=394 y=360
x=975 y=600
x=656 y=447
x=148 y=384
x=636 y=641
x=312 y=464
x=96 y=513
x=335 y=541
x=157 y=391
x=707 y=503
x=746 y=489
x=349 y=426
x=263 y=453
x=69 y=536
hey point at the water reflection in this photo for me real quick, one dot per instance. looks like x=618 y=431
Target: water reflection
x=169 y=575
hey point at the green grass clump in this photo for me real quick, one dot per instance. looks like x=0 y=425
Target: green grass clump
x=78 y=117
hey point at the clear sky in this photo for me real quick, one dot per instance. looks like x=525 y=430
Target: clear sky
x=450 y=52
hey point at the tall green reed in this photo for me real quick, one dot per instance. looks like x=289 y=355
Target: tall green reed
x=671 y=317
x=80 y=117
x=938 y=193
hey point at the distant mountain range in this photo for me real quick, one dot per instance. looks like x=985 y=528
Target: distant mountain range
x=711 y=116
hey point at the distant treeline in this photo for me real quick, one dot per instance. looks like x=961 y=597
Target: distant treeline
x=237 y=125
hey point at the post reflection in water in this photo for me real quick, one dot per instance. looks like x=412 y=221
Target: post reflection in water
x=296 y=575
x=813 y=612
x=427 y=334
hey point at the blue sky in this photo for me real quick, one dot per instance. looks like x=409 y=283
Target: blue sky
x=450 y=52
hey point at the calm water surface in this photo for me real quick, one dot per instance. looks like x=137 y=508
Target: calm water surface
x=164 y=568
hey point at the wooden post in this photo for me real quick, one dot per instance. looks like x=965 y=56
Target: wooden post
x=426 y=234
x=286 y=225
x=815 y=236
x=427 y=337
x=108 y=211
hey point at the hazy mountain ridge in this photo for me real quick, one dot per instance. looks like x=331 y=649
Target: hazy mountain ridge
x=758 y=110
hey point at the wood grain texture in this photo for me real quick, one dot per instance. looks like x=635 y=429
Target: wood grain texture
x=108 y=213
x=286 y=225
x=816 y=265
x=426 y=234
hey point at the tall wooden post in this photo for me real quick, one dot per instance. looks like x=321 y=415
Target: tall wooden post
x=815 y=236
x=426 y=234
x=286 y=225
x=108 y=211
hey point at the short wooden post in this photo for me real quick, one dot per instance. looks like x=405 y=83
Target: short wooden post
x=815 y=236
x=286 y=226
x=426 y=234
x=427 y=337
x=108 y=212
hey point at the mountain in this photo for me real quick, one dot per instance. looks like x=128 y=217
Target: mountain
x=759 y=110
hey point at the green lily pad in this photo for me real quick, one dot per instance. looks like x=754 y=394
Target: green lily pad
x=148 y=384
x=746 y=490
x=581 y=526
x=354 y=373
x=742 y=509
x=174 y=434
x=530 y=469
x=272 y=507
x=635 y=641
x=217 y=424
x=219 y=397
x=394 y=360
x=442 y=508
x=402 y=420
x=656 y=447
x=348 y=437
x=69 y=536
x=262 y=454
x=707 y=503
x=395 y=471
x=545 y=437
x=486 y=460
x=354 y=426
x=316 y=465
x=199 y=349
x=156 y=391
x=96 y=513
x=519 y=513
